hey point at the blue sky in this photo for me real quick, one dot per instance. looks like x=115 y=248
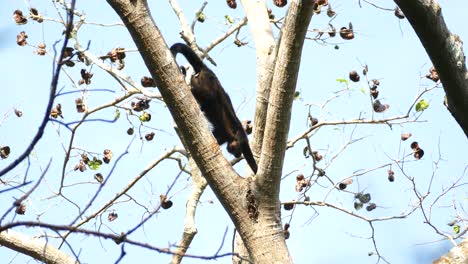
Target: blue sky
x=387 y=45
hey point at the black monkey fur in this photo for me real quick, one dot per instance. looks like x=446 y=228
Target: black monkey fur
x=217 y=106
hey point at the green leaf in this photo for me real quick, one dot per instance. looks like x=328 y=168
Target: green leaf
x=341 y=80
x=229 y=19
x=363 y=90
x=422 y=105
x=94 y=165
x=117 y=114
x=456 y=229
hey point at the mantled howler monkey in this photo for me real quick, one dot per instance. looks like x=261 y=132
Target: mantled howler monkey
x=217 y=106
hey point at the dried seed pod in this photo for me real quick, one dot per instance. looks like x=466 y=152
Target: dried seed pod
x=82 y=58
x=433 y=75
x=391 y=175
x=112 y=216
x=300 y=177
x=35 y=15
x=116 y=54
x=365 y=70
x=165 y=203
x=21 y=38
x=232 y=4
x=80 y=107
x=322 y=2
x=354 y=76
x=379 y=107
x=107 y=155
x=19 y=18
x=332 y=31
x=20 y=209
x=280 y=3
x=317 y=156
x=68 y=52
x=41 y=49
x=286 y=231
x=312 y=121
x=405 y=136
x=301 y=182
x=414 y=145
x=70 y=63
x=80 y=166
x=141 y=104
x=363 y=198
x=84 y=158
x=4 y=152
x=288 y=206
x=371 y=207
x=398 y=13
x=18 y=113
x=358 y=205
x=56 y=111
x=345 y=183
x=418 y=153
x=374 y=93
x=147 y=82
x=86 y=76
x=149 y=136
x=271 y=16
x=99 y=178
x=330 y=12
x=347 y=33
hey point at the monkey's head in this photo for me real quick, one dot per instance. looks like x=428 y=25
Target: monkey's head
x=234 y=148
